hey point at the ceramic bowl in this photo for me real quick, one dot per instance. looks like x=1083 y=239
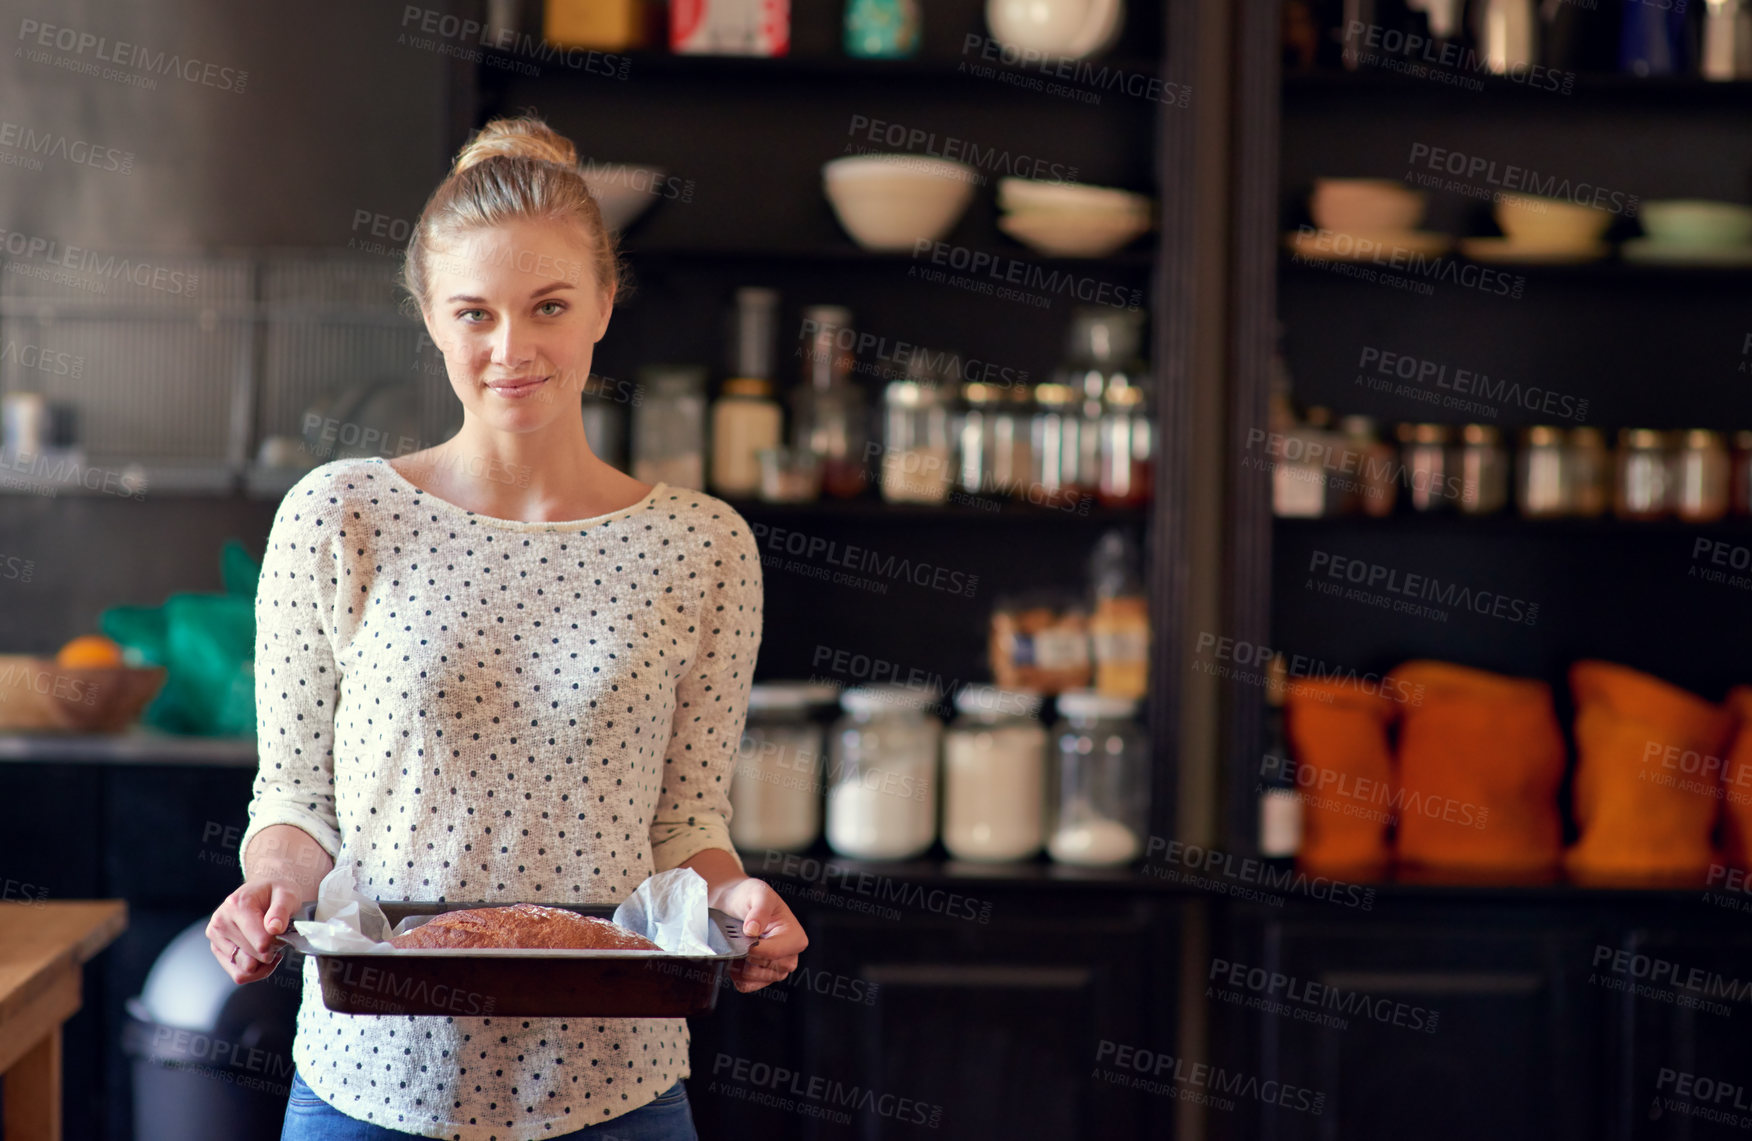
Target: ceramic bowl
x=1365 y=205
x=893 y=202
x=1019 y=194
x=623 y=192
x=1069 y=234
x=1550 y=223
x=1694 y=222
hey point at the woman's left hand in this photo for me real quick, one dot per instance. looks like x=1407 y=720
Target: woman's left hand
x=765 y=916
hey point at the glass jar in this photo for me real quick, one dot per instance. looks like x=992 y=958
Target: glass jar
x=1100 y=781
x=915 y=444
x=976 y=439
x=994 y=775
x=882 y=790
x=1056 y=442
x=745 y=420
x=1644 y=475
x=1424 y=451
x=1127 y=447
x=1376 y=467
x=669 y=426
x=1588 y=467
x=1484 y=470
x=828 y=415
x=1741 y=496
x=1543 y=486
x=789 y=475
x=1700 y=476
x=775 y=797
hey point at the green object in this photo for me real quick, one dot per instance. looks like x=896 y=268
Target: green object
x=206 y=642
x=882 y=29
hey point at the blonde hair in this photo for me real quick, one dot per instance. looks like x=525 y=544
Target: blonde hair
x=512 y=169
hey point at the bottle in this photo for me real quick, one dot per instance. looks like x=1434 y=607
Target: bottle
x=828 y=414
x=1280 y=804
x=746 y=419
x=1119 y=628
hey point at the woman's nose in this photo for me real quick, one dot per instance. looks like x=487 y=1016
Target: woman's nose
x=513 y=344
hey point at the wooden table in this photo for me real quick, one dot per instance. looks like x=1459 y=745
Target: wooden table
x=42 y=948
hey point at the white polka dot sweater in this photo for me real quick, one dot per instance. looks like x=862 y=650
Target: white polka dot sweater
x=483 y=709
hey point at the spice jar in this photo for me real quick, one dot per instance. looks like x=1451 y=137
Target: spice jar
x=976 y=439
x=669 y=427
x=1543 y=486
x=1700 y=472
x=1040 y=642
x=1644 y=482
x=882 y=793
x=1377 y=485
x=1100 y=781
x=1588 y=467
x=1057 y=439
x=994 y=775
x=1127 y=446
x=1483 y=470
x=828 y=409
x=1741 y=495
x=915 y=444
x=745 y=421
x=775 y=796
x=1424 y=450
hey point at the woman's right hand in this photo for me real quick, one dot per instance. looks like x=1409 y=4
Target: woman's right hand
x=283 y=868
x=244 y=932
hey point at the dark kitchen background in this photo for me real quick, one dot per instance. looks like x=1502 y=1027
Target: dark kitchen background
x=1443 y=348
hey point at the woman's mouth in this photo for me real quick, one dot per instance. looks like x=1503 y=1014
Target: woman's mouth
x=517 y=387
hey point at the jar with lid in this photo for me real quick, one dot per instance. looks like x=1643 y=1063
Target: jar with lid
x=1542 y=487
x=882 y=787
x=1700 y=476
x=1644 y=474
x=1741 y=496
x=746 y=421
x=828 y=415
x=669 y=426
x=1100 y=781
x=1057 y=444
x=977 y=449
x=1589 y=471
x=994 y=775
x=915 y=441
x=1484 y=470
x=1376 y=466
x=1127 y=450
x=775 y=796
x=1428 y=473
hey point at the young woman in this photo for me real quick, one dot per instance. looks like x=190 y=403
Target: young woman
x=496 y=670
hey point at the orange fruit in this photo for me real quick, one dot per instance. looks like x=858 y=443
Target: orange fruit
x=89 y=651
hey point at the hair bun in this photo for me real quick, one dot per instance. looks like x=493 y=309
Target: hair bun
x=522 y=137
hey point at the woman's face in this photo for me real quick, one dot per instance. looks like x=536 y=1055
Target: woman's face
x=516 y=311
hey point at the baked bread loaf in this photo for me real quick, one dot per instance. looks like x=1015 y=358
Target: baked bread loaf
x=521 y=925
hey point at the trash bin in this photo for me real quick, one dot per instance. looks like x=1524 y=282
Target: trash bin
x=211 y=1060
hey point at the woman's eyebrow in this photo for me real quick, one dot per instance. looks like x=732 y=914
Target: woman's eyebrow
x=542 y=292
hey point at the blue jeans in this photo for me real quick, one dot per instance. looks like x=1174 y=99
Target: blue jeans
x=309 y=1118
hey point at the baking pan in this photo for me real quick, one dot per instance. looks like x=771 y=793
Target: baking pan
x=521 y=982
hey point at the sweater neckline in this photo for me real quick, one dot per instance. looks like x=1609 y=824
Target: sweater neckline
x=515 y=524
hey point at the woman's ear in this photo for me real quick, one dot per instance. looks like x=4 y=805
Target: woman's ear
x=606 y=304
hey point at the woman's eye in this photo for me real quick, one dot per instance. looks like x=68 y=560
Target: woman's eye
x=472 y=316
x=551 y=308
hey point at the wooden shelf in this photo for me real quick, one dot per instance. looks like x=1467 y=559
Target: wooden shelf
x=1375 y=81
x=1509 y=525
x=848 y=254
x=797 y=68
x=972 y=508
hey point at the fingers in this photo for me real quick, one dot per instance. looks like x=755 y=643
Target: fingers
x=280 y=910
x=752 y=974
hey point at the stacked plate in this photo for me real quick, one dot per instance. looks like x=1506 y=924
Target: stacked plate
x=1070 y=219
x=1359 y=218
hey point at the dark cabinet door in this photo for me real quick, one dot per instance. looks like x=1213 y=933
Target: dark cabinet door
x=1682 y=1006
x=983 y=1030
x=1425 y=1027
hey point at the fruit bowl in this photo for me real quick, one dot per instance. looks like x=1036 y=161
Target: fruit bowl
x=37 y=694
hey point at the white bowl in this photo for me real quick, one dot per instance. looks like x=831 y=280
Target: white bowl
x=1692 y=222
x=1044 y=26
x=1066 y=234
x=1018 y=194
x=1365 y=205
x=1550 y=222
x=623 y=191
x=893 y=202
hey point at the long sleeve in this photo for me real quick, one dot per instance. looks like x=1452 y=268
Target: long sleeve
x=711 y=703
x=296 y=678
